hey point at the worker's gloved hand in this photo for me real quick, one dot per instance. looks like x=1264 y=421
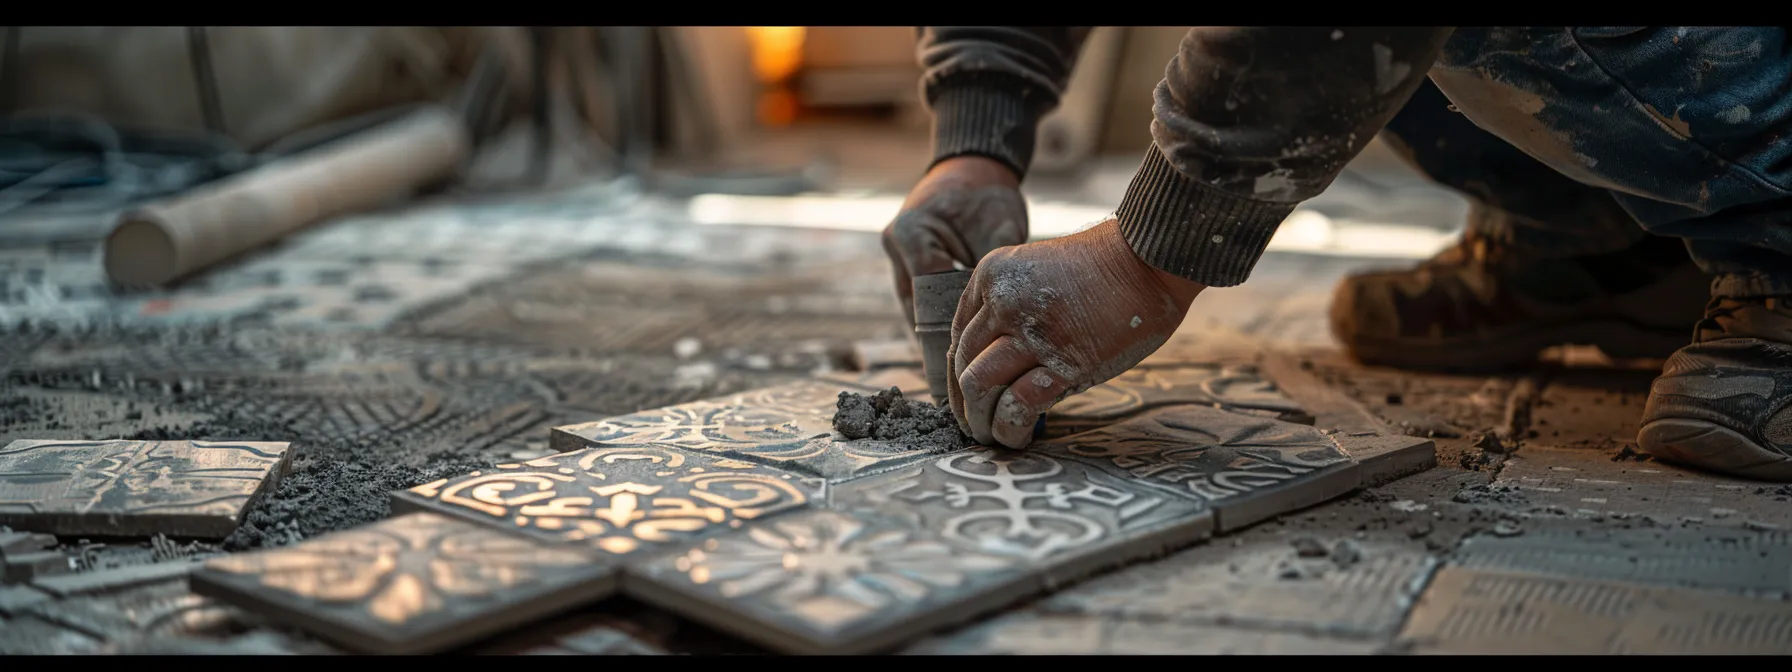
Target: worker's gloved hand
x=1045 y=320
x=965 y=207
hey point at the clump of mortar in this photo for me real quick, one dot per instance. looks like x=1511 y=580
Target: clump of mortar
x=886 y=416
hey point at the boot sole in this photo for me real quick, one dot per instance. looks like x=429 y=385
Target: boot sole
x=1519 y=347
x=1714 y=447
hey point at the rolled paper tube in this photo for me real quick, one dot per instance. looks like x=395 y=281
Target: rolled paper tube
x=936 y=302
x=168 y=240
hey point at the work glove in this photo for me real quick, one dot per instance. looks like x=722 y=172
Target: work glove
x=1045 y=320
x=962 y=209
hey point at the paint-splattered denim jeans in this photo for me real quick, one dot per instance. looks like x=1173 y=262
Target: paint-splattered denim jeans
x=1570 y=137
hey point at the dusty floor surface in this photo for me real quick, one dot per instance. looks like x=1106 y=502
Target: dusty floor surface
x=416 y=357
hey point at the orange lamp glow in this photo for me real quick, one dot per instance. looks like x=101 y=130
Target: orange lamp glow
x=777 y=51
x=777 y=56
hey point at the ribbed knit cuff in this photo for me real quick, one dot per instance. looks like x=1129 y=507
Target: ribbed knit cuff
x=985 y=114
x=1192 y=231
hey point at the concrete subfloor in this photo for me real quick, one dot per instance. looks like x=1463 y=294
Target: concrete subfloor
x=399 y=348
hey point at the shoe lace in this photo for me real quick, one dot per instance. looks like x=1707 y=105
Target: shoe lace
x=1472 y=247
x=1721 y=317
x=1717 y=311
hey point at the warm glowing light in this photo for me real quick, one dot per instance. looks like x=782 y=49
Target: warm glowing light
x=1305 y=231
x=778 y=107
x=777 y=51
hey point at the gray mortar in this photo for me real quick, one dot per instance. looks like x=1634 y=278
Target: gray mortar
x=1491 y=494
x=886 y=416
x=333 y=485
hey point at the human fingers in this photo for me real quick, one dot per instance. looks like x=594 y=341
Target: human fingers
x=987 y=379
x=1027 y=399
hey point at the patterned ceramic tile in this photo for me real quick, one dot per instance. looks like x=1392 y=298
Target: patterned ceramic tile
x=832 y=582
x=790 y=427
x=1064 y=517
x=617 y=500
x=124 y=488
x=414 y=584
x=1244 y=468
x=1237 y=388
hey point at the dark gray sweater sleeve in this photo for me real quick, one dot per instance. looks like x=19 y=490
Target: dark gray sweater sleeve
x=988 y=86
x=1252 y=121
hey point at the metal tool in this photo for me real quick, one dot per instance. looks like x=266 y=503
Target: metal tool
x=936 y=301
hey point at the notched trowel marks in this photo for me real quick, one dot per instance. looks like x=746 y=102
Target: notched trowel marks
x=886 y=416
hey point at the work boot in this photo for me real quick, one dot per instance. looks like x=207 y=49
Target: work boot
x=1478 y=306
x=1722 y=402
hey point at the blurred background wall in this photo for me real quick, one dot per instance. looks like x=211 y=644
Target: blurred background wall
x=712 y=97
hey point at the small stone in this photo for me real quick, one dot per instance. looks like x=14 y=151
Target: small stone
x=1507 y=528
x=1488 y=443
x=1290 y=572
x=1309 y=547
x=1346 y=554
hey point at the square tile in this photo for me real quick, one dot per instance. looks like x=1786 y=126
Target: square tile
x=26 y=567
x=14 y=600
x=1588 y=484
x=17 y=543
x=1065 y=518
x=1357 y=590
x=1387 y=457
x=104 y=580
x=160 y=611
x=615 y=500
x=831 y=582
x=420 y=583
x=134 y=488
x=790 y=427
x=1705 y=557
x=1467 y=611
x=1244 y=468
x=1232 y=387
x=1030 y=634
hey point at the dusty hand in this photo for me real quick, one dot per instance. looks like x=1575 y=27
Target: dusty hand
x=1049 y=319
x=964 y=208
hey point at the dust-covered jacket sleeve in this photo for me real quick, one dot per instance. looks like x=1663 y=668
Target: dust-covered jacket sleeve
x=988 y=86
x=1248 y=123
